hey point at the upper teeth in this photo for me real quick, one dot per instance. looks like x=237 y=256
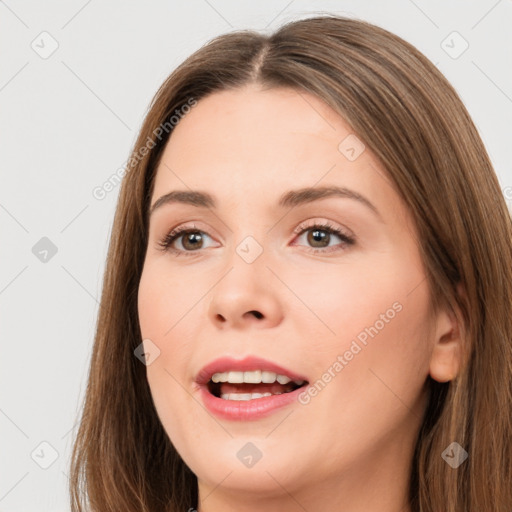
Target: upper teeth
x=254 y=377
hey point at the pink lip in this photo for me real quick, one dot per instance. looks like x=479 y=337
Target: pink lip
x=249 y=409
x=245 y=410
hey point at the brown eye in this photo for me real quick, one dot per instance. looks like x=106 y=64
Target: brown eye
x=318 y=236
x=192 y=240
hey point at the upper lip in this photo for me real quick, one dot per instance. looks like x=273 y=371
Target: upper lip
x=249 y=363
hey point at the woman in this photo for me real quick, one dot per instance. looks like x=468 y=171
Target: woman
x=307 y=296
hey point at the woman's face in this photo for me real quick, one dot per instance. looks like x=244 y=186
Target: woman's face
x=255 y=277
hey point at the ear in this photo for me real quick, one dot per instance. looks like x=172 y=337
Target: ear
x=446 y=358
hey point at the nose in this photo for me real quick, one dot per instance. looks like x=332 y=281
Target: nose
x=246 y=296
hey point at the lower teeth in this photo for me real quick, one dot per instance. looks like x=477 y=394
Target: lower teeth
x=246 y=396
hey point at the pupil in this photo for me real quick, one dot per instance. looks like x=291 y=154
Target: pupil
x=190 y=238
x=319 y=235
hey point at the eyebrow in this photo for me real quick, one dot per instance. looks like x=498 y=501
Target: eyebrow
x=289 y=199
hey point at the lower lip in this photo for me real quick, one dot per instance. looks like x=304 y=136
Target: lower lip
x=247 y=410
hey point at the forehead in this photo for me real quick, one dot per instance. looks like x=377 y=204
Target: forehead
x=256 y=144
x=237 y=118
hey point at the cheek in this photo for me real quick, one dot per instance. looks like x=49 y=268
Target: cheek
x=369 y=372
x=375 y=314
x=163 y=315
x=165 y=308
x=164 y=300
x=341 y=301
x=157 y=316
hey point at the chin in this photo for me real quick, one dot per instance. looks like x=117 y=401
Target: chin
x=247 y=463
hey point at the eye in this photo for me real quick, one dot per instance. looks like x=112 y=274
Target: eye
x=320 y=234
x=191 y=239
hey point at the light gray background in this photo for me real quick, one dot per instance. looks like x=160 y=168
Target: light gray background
x=68 y=122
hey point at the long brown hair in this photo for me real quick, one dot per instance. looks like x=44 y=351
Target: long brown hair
x=406 y=112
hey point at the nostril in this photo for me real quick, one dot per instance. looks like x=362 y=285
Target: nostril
x=257 y=314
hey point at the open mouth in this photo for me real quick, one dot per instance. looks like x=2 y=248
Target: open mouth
x=226 y=387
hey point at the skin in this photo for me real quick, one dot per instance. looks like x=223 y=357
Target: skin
x=350 y=447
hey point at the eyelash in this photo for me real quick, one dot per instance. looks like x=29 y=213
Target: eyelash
x=165 y=243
